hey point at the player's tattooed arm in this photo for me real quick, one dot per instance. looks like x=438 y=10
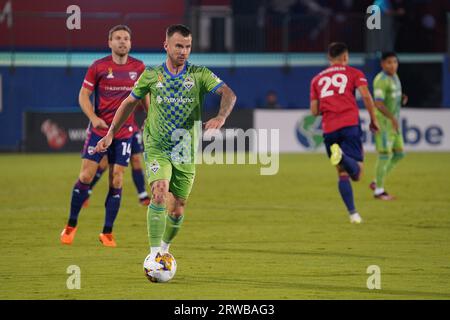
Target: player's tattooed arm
x=84 y=99
x=314 y=107
x=226 y=106
x=227 y=102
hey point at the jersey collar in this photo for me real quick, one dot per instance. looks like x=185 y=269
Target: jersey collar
x=174 y=76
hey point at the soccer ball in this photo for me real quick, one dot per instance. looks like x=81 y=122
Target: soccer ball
x=166 y=273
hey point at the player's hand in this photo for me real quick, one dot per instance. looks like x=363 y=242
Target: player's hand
x=374 y=127
x=215 y=123
x=404 y=99
x=395 y=124
x=98 y=123
x=104 y=143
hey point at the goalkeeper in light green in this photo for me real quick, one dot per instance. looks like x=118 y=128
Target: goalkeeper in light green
x=389 y=140
x=176 y=90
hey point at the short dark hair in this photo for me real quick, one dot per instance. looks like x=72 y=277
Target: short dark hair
x=388 y=54
x=335 y=49
x=178 y=28
x=118 y=28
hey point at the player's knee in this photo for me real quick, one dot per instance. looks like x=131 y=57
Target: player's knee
x=86 y=177
x=117 y=179
x=358 y=176
x=159 y=197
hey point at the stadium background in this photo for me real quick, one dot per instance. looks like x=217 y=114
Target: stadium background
x=255 y=46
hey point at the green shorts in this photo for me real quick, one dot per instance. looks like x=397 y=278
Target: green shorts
x=387 y=141
x=159 y=166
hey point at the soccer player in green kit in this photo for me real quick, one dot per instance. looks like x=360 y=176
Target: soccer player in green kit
x=176 y=91
x=389 y=140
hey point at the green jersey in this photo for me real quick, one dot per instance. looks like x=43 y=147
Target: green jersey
x=389 y=90
x=175 y=105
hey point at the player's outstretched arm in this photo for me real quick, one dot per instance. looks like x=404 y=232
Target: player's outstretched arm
x=86 y=105
x=226 y=106
x=126 y=108
x=370 y=106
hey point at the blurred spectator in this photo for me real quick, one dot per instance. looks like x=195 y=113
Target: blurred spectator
x=272 y=101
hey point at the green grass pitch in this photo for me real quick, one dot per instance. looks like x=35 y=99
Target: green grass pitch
x=245 y=236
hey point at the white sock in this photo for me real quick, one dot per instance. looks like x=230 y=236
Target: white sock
x=154 y=251
x=164 y=247
x=379 y=191
x=143 y=195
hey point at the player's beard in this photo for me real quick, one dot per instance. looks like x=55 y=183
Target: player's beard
x=177 y=61
x=122 y=52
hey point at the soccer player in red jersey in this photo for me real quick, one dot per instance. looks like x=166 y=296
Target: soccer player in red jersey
x=111 y=78
x=333 y=96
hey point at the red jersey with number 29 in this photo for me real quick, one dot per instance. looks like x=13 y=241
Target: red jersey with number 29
x=335 y=88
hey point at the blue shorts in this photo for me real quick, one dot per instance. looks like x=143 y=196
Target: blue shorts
x=136 y=143
x=349 y=139
x=119 y=151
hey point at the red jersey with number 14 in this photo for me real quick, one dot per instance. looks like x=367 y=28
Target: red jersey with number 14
x=335 y=88
x=113 y=83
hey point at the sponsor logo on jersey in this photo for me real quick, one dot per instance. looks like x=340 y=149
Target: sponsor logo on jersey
x=183 y=100
x=133 y=75
x=188 y=83
x=110 y=74
x=159 y=85
x=122 y=88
